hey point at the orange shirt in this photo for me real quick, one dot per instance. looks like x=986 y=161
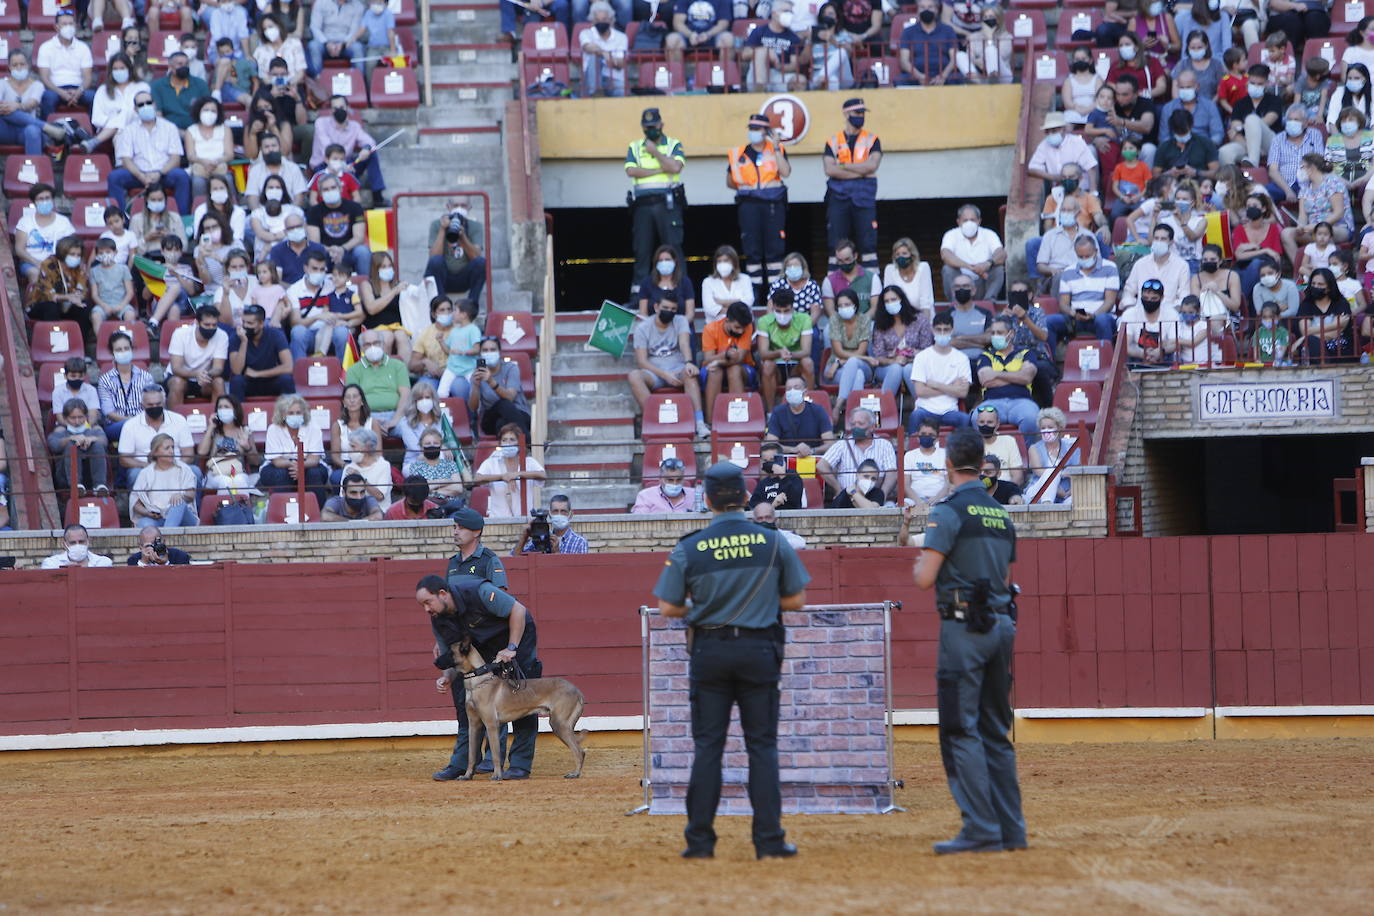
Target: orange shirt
x=1137 y=173
x=1088 y=209
x=714 y=339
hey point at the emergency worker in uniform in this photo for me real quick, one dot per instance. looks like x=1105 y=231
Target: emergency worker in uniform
x=968 y=548
x=739 y=576
x=654 y=165
x=502 y=630
x=755 y=171
x=851 y=161
x=480 y=564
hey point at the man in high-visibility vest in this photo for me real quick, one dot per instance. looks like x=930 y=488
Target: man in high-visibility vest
x=654 y=165
x=755 y=170
x=851 y=162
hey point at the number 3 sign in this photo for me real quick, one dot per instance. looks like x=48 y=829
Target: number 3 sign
x=788 y=115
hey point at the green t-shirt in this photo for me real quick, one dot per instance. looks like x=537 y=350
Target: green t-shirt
x=784 y=338
x=381 y=384
x=1270 y=344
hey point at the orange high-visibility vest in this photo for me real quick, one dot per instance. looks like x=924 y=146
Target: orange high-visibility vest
x=749 y=176
x=863 y=144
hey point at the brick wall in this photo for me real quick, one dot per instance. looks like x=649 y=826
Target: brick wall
x=832 y=749
x=344 y=542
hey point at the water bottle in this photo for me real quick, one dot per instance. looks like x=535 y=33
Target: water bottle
x=700 y=502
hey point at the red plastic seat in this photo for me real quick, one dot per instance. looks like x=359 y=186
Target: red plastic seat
x=1073 y=372
x=22 y=172
x=1048 y=304
x=458 y=418
x=736 y=449
x=1065 y=391
x=1028 y=26
x=404 y=11
x=85 y=176
x=1080 y=20
x=210 y=503
x=163 y=41
x=752 y=424
x=667 y=77
x=88 y=216
x=56 y=341
x=328 y=385
x=743 y=28
x=668 y=418
x=1045 y=60
x=899 y=23
x=347 y=83
x=394 y=88
x=1328 y=48
x=883 y=70
x=164 y=336
x=478 y=499
x=813 y=493
x=821 y=397
x=257 y=416
x=713 y=73
x=277 y=509
x=9 y=20
x=501 y=324
x=83 y=511
x=882 y=403
x=656 y=452
x=546 y=40
x=323 y=411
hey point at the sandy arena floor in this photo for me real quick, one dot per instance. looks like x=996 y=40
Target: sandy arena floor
x=1218 y=827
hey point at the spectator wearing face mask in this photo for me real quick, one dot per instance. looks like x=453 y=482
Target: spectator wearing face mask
x=1275 y=289
x=851 y=162
x=663 y=355
x=971 y=251
x=74 y=430
x=562 y=537
x=1288 y=149
x=272 y=161
x=149 y=152
x=121 y=387
x=336 y=165
x=74 y=387
x=1007 y=374
x=1053 y=252
x=339 y=226
x=497 y=397
x=76 y=551
x=765 y=516
x=669 y=496
x=414 y=502
x=773 y=52
x=428 y=354
x=64 y=65
x=1186 y=153
x=970 y=321
x=1059 y=148
x=783 y=338
x=798 y=425
x=840 y=464
x=1087 y=297
x=61 y=290
x=1253 y=120
x=291 y=427
x=338 y=127
x=993 y=477
x=296 y=252
x=112 y=287
x=444 y=469
x=779 y=486
x=355 y=505
x=177 y=93
x=260 y=363
x=1029 y=332
x=604 y=52
x=1004 y=448
x=866 y=491
x=727 y=358
x=1150 y=327
x=1189 y=97
x=39 y=230
x=940 y=376
x=924 y=466
x=1163 y=267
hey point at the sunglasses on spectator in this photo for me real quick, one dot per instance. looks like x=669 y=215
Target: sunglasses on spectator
x=671 y=464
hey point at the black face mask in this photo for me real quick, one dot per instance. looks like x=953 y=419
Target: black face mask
x=771 y=526
x=1210 y=267
x=653 y=133
x=183 y=73
x=355 y=504
x=1070 y=185
x=1253 y=213
x=1080 y=66
x=963 y=296
x=990 y=23
x=604 y=28
x=987 y=432
x=271 y=158
x=75 y=384
x=251 y=333
x=927 y=16
x=341 y=115
x=432 y=452
x=1150 y=305
x=666 y=316
x=206 y=333
x=846 y=266
x=826 y=22
x=862 y=433
x=856 y=121
x=153 y=413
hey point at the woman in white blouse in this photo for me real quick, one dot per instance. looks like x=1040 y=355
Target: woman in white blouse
x=291 y=426
x=988 y=58
x=726 y=284
x=368 y=464
x=237 y=289
x=277 y=43
x=113 y=105
x=912 y=275
x=503 y=470
x=165 y=490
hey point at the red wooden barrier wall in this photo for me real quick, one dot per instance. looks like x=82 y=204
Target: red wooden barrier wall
x=1236 y=621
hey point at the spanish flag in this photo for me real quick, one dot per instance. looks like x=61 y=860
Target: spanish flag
x=381 y=229
x=350 y=355
x=1219 y=232
x=154 y=275
x=239 y=169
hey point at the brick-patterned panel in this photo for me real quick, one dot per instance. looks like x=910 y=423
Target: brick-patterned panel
x=832 y=744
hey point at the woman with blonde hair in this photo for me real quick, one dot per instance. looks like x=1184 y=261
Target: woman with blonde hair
x=291 y=427
x=381 y=296
x=911 y=275
x=1045 y=455
x=164 y=492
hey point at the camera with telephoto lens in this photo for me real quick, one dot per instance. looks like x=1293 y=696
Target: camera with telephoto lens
x=540 y=540
x=457 y=226
x=159 y=547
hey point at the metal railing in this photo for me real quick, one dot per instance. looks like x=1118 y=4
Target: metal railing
x=428 y=57
x=1215 y=343
x=543 y=385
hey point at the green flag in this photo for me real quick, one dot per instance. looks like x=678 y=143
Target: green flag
x=612 y=330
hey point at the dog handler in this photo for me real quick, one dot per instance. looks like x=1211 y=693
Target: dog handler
x=968 y=549
x=739 y=576
x=480 y=564
x=501 y=629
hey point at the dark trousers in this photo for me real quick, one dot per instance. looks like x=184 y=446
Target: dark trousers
x=472 y=279
x=762 y=236
x=242 y=387
x=846 y=220
x=724 y=672
x=655 y=223
x=521 y=755
x=973 y=690
x=1300 y=25
x=501 y=413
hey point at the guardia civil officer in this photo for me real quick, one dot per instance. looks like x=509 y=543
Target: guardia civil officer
x=501 y=629
x=478 y=563
x=969 y=545
x=739 y=577
x=755 y=171
x=851 y=163
x=654 y=165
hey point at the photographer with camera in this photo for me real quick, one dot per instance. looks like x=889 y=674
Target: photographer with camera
x=550 y=530
x=455 y=256
x=153 y=550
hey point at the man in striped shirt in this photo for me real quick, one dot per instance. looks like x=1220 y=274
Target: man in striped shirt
x=121 y=387
x=1087 y=297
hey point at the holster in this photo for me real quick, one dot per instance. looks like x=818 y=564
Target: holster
x=980 y=614
x=691 y=637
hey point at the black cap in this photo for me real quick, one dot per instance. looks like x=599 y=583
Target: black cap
x=759 y=120
x=470 y=519
x=854 y=105
x=724 y=477
x=650 y=116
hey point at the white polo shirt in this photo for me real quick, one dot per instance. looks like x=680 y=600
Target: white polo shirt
x=974 y=250
x=136 y=438
x=186 y=343
x=64 y=63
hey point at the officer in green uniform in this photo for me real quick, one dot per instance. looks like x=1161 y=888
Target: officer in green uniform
x=501 y=629
x=654 y=165
x=472 y=561
x=969 y=546
x=739 y=576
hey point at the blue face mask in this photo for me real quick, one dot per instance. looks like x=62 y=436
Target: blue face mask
x=1188 y=317
x=672 y=490
x=943 y=340
x=44 y=207
x=793 y=273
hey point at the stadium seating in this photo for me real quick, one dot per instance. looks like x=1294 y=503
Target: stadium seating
x=394 y=88
x=457 y=411
x=348 y=83
x=22 y=172
x=137 y=331
x=1066 y=393
x=737 y=416
x=713 y=73
x=882 y=403
x=1074 y=370
x=88 y=216
x=505 y=325
x=545 y=41
x=99 y=509
x=318 y=377
x=164 y=337
x=665 y=76
x=56 y=341
x=282 y=506
x=85 y=176
x=668 y=418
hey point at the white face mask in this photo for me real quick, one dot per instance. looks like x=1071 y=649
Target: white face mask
x=66 y=32
x=295 y=420
x=315 y=278
x=72 y=260
x=225 y=414
x=1270 y=280
x=509 y=451
x=782 y=318
x=336 y=166
x=724 y=268
x=373 y=353
x=424 y=405
x=78 y=553
x=442 y=320
x=387 y=274
x=296 y=234
x=19 y=74
x=273 y=193
x=969 y=228
x=120 y=76
x=208 y=116
x=331 y=197
x=795 y=396
x=672 y=490
x=219 y=196
x=1159 y=248
x=755 y=136
x=238 y=276
x=123 y=357
x=845 y=312
x=892 y=306
x=271 y=33
x=785 y=19
x=1350 y=128
x=866 y=484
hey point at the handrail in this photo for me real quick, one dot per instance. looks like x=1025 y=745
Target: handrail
x=427 y=57
x=1106 y=407
x=1017 y=190
x=543 y=386
x=524 y=113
